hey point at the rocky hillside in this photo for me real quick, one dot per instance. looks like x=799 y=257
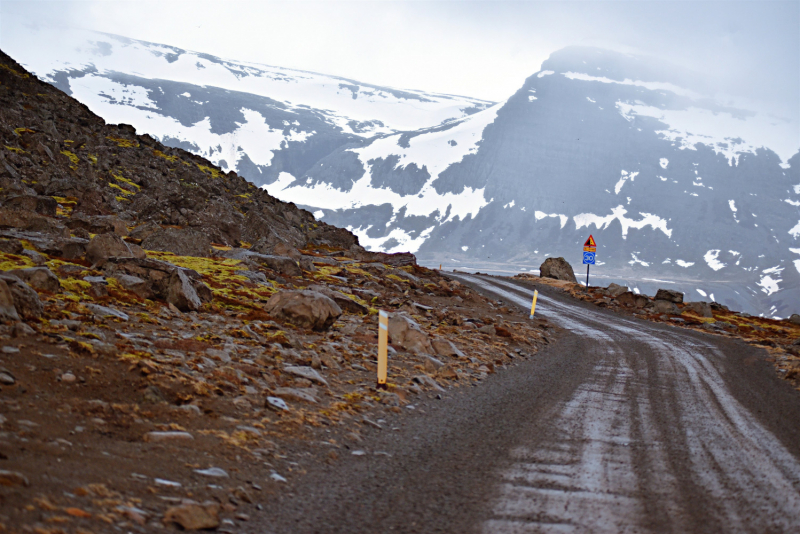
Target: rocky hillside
x=176 y=345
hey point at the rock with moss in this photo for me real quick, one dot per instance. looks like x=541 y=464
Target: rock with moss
x=306 y=309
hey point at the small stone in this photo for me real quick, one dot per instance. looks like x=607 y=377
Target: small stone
x=276 y=477
x=306 y=372
x=488 y=329
x=358 y=453
x=277 y=404
x=296 y=394
x=10 y=350
x=68 y=378
x=105 y=311
x=193 y=516
x=13 y=478
x=6 y=378
x=212 y=472
x=158 y=437
x=168 y=483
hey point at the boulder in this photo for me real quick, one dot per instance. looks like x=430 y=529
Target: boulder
x=7 y=310
x=109 y=245
x=26 y=220
x=665 y=306
x=405 y=332
x=307 y=309
x=99 y=224
x=629 y=298
x=281 y=264
x=181 y=292
x=40 y=204
x=703 y=309
x=39 y=278
x=615 y=290
x=557 y=268
x=134 y=284
x=669 y=295
x=444 y=347
x=345 y=303
x=181 y=242
x=26 y=300
x=794 y=319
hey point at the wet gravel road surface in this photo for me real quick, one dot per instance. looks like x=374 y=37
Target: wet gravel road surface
x=621 y=426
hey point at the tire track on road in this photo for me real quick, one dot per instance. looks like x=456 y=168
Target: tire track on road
x=653 y=440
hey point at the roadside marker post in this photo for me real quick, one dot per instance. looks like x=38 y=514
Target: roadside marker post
x=589 y=256
x=383 y=343
x=533 y=304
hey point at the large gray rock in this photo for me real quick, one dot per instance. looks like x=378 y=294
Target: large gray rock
x=38 y=278
x=615 y=290
x=629 y=298
x=181 y=292
x=26 y=300
x=794 y=319
x=404 y=331
x=703 y=309
x=557 y=268
x=7 y=310
x=669 y=295
x=444 y=347
x=307 y=309
x=109 y=245
x=181 y=242
x=665 y=306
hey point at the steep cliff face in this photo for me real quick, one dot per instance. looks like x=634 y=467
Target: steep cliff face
x=59 y=159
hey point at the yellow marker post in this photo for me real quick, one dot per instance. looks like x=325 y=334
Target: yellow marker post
x=383 y=343
x=533 y=305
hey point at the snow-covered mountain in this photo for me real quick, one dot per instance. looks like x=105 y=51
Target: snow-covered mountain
x=256 y=119
x=675 y=185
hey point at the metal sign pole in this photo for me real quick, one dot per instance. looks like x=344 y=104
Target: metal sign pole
x=587 y=276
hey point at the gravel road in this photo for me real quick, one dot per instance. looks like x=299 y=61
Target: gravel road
x=621 y=426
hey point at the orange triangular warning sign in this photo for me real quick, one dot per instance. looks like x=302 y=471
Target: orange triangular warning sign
x=590 y=242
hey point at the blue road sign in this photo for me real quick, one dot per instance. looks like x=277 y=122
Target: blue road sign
x=588 y=258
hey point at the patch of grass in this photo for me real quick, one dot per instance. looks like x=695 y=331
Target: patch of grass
x=171 y=159
x=15 y=149
x=214 y=173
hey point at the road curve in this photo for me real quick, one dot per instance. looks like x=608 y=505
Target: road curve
x=620 y=426
x=652 y=440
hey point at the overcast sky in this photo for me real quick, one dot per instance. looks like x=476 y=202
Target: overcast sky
x=482 y=49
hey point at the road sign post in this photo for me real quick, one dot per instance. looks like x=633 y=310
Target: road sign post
x=589 y=255
x=533 y=304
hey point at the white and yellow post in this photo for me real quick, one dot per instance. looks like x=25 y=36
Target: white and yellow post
x=383 y=344
x=533 y=304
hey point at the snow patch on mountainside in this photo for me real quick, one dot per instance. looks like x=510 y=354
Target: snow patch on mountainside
x=653 y=86
x=118 y=103
x=618 y=214
x=724 y=132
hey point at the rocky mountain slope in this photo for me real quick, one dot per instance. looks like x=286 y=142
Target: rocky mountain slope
x=177 y=346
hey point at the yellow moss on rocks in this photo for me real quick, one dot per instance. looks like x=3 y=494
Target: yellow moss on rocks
x=123 y=143
x=13 y=261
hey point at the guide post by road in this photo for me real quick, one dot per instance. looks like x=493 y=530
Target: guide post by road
x=533 y=304
x=383 y=343
x=589 y=252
